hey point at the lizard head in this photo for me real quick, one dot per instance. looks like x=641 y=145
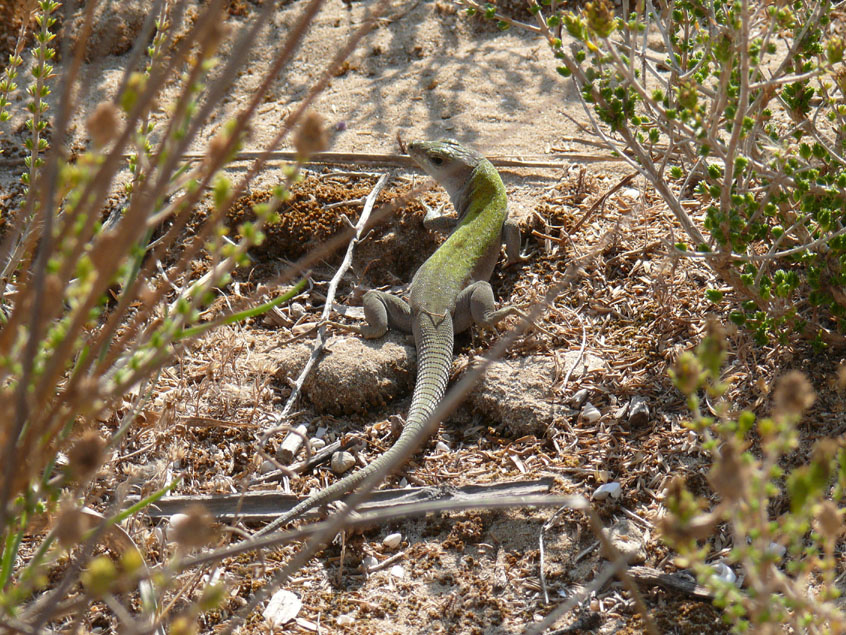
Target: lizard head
x=448 y=162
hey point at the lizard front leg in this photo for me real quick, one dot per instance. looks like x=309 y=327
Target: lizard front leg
x=436 y=220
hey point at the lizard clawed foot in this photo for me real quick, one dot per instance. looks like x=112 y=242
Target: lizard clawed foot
x=520 y=259
x=347 y=328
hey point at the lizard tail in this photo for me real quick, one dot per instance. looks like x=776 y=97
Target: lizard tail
x=434 y=337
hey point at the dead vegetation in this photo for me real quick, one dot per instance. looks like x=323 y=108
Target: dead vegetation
x=634 y=307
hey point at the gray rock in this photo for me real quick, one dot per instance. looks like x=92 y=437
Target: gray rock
x=116 y=27
x=341 y=462
x=628 y=539
x=519 y=393
x=353 y=375
x=638 y=412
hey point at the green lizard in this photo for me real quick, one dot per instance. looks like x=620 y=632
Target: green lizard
x=449 y=292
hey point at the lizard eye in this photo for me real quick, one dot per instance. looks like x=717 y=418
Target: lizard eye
x=437 y=160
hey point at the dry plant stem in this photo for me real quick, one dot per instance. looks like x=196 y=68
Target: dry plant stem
x=399 y=160
x=236 y=59
x=617 y=567
x=43 y=610
x=333 y=288
x=156 y=361
x=292 y=119
x=79 y=371
x=626 y=180
x=184 y=203
x=369 y=519
x=118 y=242
x=297 y=268
x=402 y=160
x=602 y=578
x=546 y=526
x=63 y=353
x=582 y=346
x=265 y=505
x=173 y=233
x=45 y=248
x=737 y=126
x=644 y=164
x=95 y=190
x=138 y=49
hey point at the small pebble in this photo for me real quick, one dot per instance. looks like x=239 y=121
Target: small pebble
x=777 y=549
x=590 y=413
x=398 y=571
x=440 y=446
x=177 y=519
x=631 y=193
x=638 y=412
x=613 y=490
x=579 y=397
x=316 y=444
x=345 y=620
x=159 y=535
x=341 y=462
x=282 y=608
x=392 y=541
x=297 y=309
x=724 y=572
x=628 y=540
x=267 y=466
x=368 y=562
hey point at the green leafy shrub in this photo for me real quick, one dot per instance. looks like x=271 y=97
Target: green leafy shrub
x=788 y=562
x=742 y=108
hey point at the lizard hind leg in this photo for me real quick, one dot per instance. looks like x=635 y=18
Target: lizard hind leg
x=476 y=305
x=383 y=311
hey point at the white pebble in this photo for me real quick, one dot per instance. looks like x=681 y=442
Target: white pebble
x=397 y=571
x=368 y=562
x=282 y=608
x=612 y=489
x=579 y=397
x=341 y=462
x=590 y=413
x=317 y=444
x=724 y=572
x=345 y=620
x=631 y=193
x=440 y=446
x=777 y=549
x=173 y=525
x=392 y=541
